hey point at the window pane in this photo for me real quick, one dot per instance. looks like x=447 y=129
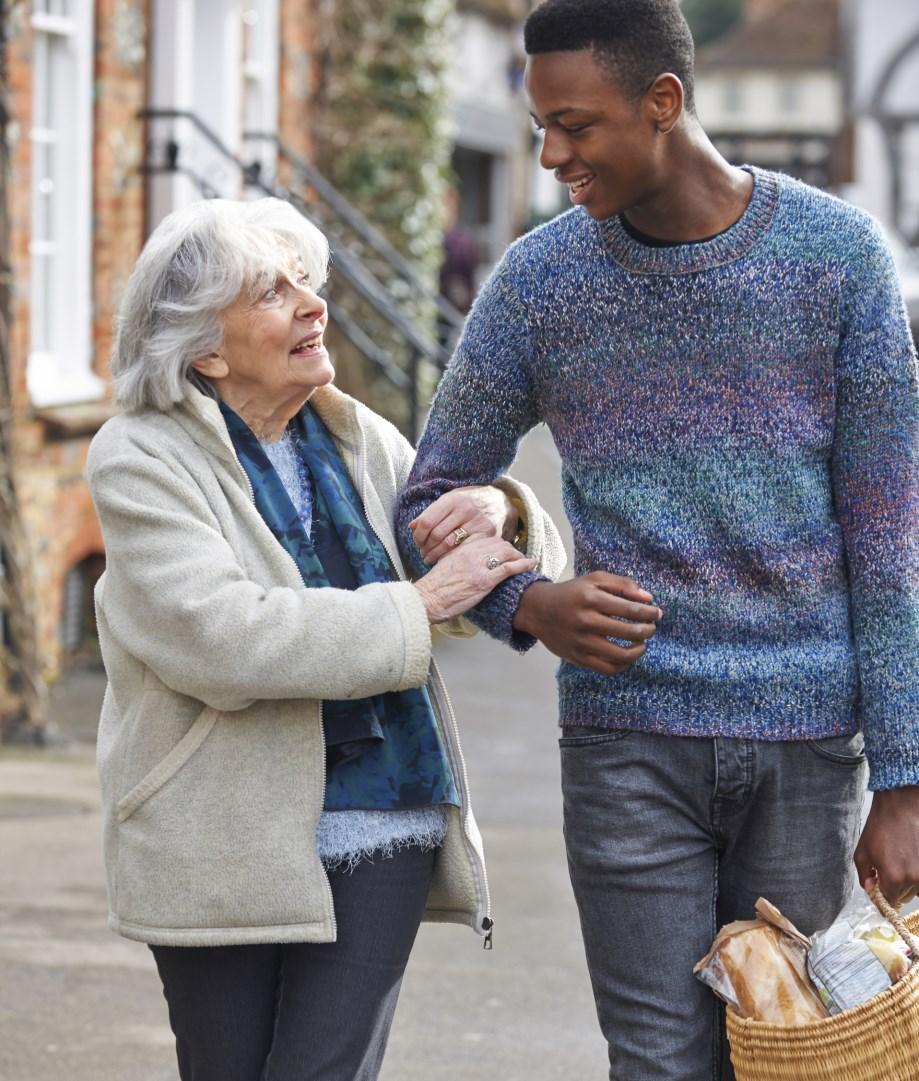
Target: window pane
x=251 y=30
x=43 y=207
x=61 y=186
x=789 y=95
x=54 y=166
x=53 y=7
x=40 y=111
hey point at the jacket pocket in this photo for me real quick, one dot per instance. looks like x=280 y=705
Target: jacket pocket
x=583 y=736
x=168 y=766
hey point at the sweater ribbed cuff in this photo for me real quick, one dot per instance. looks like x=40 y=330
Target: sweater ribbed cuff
x=495 y=615
x=893 y=767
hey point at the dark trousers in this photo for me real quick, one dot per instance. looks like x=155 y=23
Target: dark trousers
x=301 y=1012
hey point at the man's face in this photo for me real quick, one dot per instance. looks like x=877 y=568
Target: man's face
x=599 y=143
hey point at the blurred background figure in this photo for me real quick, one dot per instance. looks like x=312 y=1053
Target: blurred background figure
x=461 y=258
x=458 y=271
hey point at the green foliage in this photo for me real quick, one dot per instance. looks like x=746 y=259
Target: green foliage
x=383 y=134
x=709 y=19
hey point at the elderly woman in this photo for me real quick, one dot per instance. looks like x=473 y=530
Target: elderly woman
x=285 y=796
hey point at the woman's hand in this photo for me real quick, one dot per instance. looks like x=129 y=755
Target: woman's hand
x=480 y=510
x=468 y=574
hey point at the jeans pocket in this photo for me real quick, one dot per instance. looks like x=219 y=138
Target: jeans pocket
x=843 y=750
x=577 y=735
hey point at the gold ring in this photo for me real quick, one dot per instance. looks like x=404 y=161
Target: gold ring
x=459 y=535
x=492 y=562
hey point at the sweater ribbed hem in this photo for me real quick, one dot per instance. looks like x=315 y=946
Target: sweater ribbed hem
x=771 y=714
x=893 y=765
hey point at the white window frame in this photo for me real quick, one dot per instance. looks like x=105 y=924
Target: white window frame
x=198 y=64
x=59 y=370
x=261 y=76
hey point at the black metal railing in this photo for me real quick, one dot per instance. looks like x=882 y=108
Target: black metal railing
x=384 y=297
x=310 y=180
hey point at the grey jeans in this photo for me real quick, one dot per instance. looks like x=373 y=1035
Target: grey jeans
x=668 y=838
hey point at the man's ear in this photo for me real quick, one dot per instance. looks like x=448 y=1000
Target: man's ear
x=213 y=366
x=665 y=100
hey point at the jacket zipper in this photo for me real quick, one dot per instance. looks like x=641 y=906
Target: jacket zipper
x=328 y=884
x=453 y=744
x=456 y=749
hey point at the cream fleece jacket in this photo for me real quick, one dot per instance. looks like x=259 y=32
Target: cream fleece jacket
x=210 y=745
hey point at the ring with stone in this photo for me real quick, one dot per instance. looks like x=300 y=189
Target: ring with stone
x=492 y=562
x=459 y=535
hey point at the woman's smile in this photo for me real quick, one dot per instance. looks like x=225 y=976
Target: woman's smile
x=310 y=346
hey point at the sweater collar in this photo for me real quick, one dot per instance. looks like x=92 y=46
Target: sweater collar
x=726 y=247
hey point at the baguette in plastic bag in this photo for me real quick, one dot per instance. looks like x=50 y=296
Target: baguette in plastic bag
x=760 y=968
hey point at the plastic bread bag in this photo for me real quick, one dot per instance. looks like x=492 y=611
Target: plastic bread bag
x=857 y=956
x=760 y=968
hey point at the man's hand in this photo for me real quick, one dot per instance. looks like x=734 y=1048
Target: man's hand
x=478 y=510
x=576 y=619
x=888 y=851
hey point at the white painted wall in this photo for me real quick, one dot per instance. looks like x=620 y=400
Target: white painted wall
x=876 y=29
x=197 y=65
x=480 y=54
x=767 y=100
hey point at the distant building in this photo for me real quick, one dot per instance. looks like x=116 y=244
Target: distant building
x=77 y=74
x=123 y=110
x=883 y=57
x=491 y=129
x=771 y=90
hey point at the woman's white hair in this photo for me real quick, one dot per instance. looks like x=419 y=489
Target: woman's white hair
x=194 y=265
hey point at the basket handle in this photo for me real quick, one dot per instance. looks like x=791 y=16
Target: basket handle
x=894 y=918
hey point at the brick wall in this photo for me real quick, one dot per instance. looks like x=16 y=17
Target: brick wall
x=299 y=67
x=58 y=510
x=53 y=444
x=118 y=186
x=19 y=74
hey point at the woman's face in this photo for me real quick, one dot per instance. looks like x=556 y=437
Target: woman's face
x=272 y=346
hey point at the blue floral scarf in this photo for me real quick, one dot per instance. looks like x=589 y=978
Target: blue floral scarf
x=384 y=752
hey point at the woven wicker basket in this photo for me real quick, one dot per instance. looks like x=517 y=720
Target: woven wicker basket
x=877 y=1041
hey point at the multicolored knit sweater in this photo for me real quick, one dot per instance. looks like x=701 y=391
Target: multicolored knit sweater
x=738 y=422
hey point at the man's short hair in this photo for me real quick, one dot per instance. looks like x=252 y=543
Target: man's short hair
x=634 y=40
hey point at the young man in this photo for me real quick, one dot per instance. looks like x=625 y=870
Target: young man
x=723 y=360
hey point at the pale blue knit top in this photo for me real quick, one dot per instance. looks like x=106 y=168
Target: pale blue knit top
x=345 y=837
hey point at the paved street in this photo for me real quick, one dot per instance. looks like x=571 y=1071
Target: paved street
x=79 y=1003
